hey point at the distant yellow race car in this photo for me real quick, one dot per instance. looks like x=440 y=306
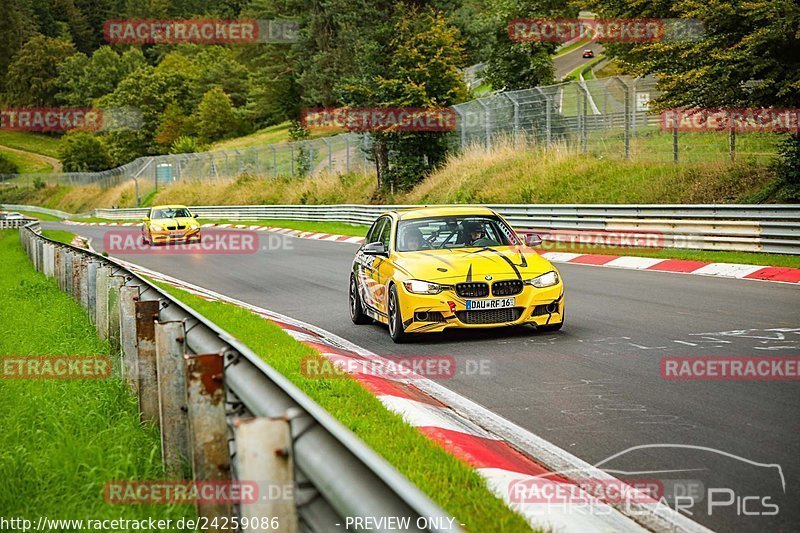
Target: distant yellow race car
x=429 y=269
x=170 y=223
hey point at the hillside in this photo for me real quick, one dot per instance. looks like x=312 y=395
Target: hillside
x=503 y=175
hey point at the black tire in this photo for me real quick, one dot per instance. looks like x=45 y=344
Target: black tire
x=395 y=318
x=356 y=311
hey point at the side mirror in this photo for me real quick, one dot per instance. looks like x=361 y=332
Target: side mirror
x=146 y=219
x=533 y=239
x=374 y=248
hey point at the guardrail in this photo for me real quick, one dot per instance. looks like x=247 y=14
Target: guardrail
x=223 y=408
x=750 y=228
x=14 y=223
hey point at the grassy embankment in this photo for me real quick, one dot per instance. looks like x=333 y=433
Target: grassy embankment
x=26 y=149
x=452 y=484
x=62 y=440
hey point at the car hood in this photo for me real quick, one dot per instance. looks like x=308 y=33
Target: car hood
x=174 y=222
x=473 y=264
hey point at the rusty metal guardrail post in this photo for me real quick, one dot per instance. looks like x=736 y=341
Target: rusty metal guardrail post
x=128 y=296
x=171 y=373
x=146 y=316
x=264 y=454
x=208 y=430
x=101 y=301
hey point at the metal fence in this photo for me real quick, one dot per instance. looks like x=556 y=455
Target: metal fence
x=750 y=228
x=603 y=117
x=224 y=410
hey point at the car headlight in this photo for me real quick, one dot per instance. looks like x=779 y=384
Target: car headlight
x=545 y=280
x=422 y=287
x=156 y=227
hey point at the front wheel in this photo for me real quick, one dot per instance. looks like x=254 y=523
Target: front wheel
x=356 y=311
x=396 y=330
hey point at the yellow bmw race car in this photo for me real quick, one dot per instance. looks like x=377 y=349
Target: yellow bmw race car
x=429 y=269
x=170 y=223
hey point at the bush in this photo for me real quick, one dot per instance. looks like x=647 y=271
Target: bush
x=787 y=169
x=186 y=145
x=83 y=152
x=7 y=166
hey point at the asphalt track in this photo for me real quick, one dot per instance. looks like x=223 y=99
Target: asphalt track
x=568 y=62
x=594 y=388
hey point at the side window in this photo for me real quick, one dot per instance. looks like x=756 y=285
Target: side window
x=372 y=234
x=383 y=236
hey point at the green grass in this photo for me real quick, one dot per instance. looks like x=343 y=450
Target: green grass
x=712 y=256
x=278 y=133
x=37 y=143
x=62 y=440
x=27 y=163
x=452 y=484
x=59 y=235
x=336 y=228
x=41 y=216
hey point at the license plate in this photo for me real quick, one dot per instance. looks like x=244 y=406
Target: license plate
x=491 y=303
x=176 y=234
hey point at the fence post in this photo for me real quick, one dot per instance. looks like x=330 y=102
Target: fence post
x=263 y=453
x=274 y=161
x=516 y=117
x=146 y=316
x=626 y=91
x=330 y=154
x=487 y=126
x=208 y=431
x=732 y=138
x=310 y=158
x=128 y=296
x=548 y=120
x=584 y=120
x=101 y=301
x=115 y=283
x=91 y=289
x=171 y=373
x=347 y=154
x=674 y=139
x=291 y=148
x=462 y=127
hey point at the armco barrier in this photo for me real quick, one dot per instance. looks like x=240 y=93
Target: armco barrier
x=224 y=409
x=750 y=228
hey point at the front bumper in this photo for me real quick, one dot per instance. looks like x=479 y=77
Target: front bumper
x=176 y=236
x=423 y=313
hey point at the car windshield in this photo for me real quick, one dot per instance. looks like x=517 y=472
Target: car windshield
x=170 y=213
x=453 y=232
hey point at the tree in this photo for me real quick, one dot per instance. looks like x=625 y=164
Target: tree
x=424 y=56
x=31 y=80
x=80 y=151
x=7 y=166
x=749 y=56
x=216 y=117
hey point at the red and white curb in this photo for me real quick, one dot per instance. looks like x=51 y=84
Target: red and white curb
x=676 y=266
x=501 y=452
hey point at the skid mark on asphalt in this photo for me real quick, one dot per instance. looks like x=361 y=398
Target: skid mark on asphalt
x=603 y=407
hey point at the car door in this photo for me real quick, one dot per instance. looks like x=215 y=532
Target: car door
x=382 y=267
x=365 y=266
